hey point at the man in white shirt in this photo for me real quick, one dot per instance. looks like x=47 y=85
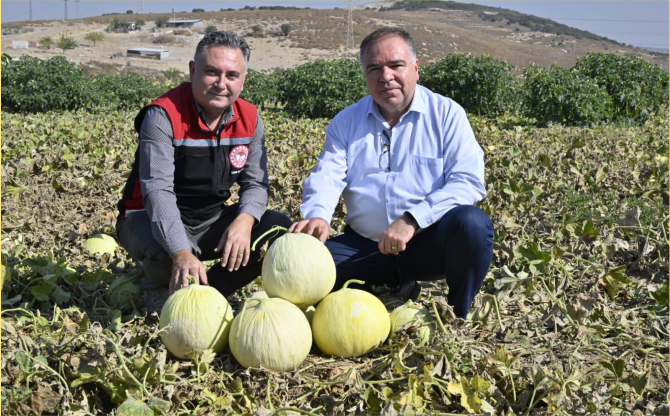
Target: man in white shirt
x=410 y=170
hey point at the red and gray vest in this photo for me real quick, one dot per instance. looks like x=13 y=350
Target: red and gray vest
x=206 y=166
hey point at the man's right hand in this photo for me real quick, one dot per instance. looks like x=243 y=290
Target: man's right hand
x=317 y=227
x=184 y=263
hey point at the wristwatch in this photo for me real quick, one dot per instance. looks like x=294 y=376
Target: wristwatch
x=412 y=220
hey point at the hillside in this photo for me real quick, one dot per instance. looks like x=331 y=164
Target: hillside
x=320 y=34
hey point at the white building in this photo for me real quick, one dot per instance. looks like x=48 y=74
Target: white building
x=160 y=54
x=185 y=23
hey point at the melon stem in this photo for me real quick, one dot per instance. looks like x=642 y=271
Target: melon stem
x=360 y=282
x=193 y=280
x=271 y=230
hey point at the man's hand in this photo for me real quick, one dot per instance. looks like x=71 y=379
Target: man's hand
x=236 y=242
x=184 y=263
x=317 y=227
x=395 y=238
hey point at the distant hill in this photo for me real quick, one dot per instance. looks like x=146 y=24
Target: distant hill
x=439 y=28
x=497 y=14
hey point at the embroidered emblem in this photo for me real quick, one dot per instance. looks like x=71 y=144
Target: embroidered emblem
x=238 y=156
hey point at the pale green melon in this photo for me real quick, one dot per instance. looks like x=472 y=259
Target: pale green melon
x=199 y=318
x=298 y=268
x=271 y=333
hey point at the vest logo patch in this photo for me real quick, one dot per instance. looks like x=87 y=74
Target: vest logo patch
x=239 y=155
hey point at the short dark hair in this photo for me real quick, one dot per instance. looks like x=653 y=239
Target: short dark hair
x=379 y=34
x=224 y=38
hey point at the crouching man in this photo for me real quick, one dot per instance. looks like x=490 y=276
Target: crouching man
x=195 y=142
x=410 y=170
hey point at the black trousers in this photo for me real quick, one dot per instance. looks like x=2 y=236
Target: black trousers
x=134 y=234
x=458 y=248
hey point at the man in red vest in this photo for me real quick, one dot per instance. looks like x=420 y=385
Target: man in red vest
x=195 y=142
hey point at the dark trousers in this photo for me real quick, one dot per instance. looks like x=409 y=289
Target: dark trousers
x=458 y=248
x=134 y=233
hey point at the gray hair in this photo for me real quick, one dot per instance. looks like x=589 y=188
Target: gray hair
x=379 y=34
x=224 y=38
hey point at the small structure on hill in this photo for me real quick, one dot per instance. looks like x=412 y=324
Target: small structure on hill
x=185 y=23
x=24 y=44
x=151 y=53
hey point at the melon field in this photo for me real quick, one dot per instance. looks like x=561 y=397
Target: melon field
x=572 y=317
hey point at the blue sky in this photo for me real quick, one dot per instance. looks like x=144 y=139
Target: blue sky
x=637 y=23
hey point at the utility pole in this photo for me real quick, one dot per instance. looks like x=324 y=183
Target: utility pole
x=30 y=12
x=350 y=29
x=174 y=16
x=76 y=2
x=140 y=6
x=65 y=14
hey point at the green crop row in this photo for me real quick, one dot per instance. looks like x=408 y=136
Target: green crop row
x=599 y=89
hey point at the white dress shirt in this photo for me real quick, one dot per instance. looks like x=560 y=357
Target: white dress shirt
x=425 y=165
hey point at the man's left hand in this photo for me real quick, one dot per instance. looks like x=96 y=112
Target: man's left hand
x=236 y=242
x=395 y=238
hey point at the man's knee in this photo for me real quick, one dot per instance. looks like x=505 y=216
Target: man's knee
x=274 y=218
x=469 y=221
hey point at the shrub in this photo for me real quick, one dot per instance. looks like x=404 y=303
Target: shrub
x=259 y=88
x=637 y=87
x=47 y=41
x=286 y=28
x=164 y=39
x=66 y=42
x=257 y=31
x=210 y=29
x=321 y=88
x=174 y=75
x=127 y=92
x=561 y=96
x=95 y=37
x=31 y=85
x=482 y=85
x=161 y=21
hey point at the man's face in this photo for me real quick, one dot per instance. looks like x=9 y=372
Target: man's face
x=217 y=77
x=391 y=75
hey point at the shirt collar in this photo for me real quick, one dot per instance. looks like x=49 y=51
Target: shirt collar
x=419 y=104
x=228 y=115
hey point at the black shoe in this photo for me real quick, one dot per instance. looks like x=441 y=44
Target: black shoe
x=407 y=290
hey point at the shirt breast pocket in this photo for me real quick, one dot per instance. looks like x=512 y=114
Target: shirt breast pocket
x=427 y=174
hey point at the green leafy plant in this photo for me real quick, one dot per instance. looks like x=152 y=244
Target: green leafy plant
x=95 y=37
x=66 y=42
x=321 y=88
x=637 y=88
x=161 y=21
x=259 y=88
x=47 y=41
x=558 y=95
x=482 y=85
x=257 y=31
x=286 y=28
